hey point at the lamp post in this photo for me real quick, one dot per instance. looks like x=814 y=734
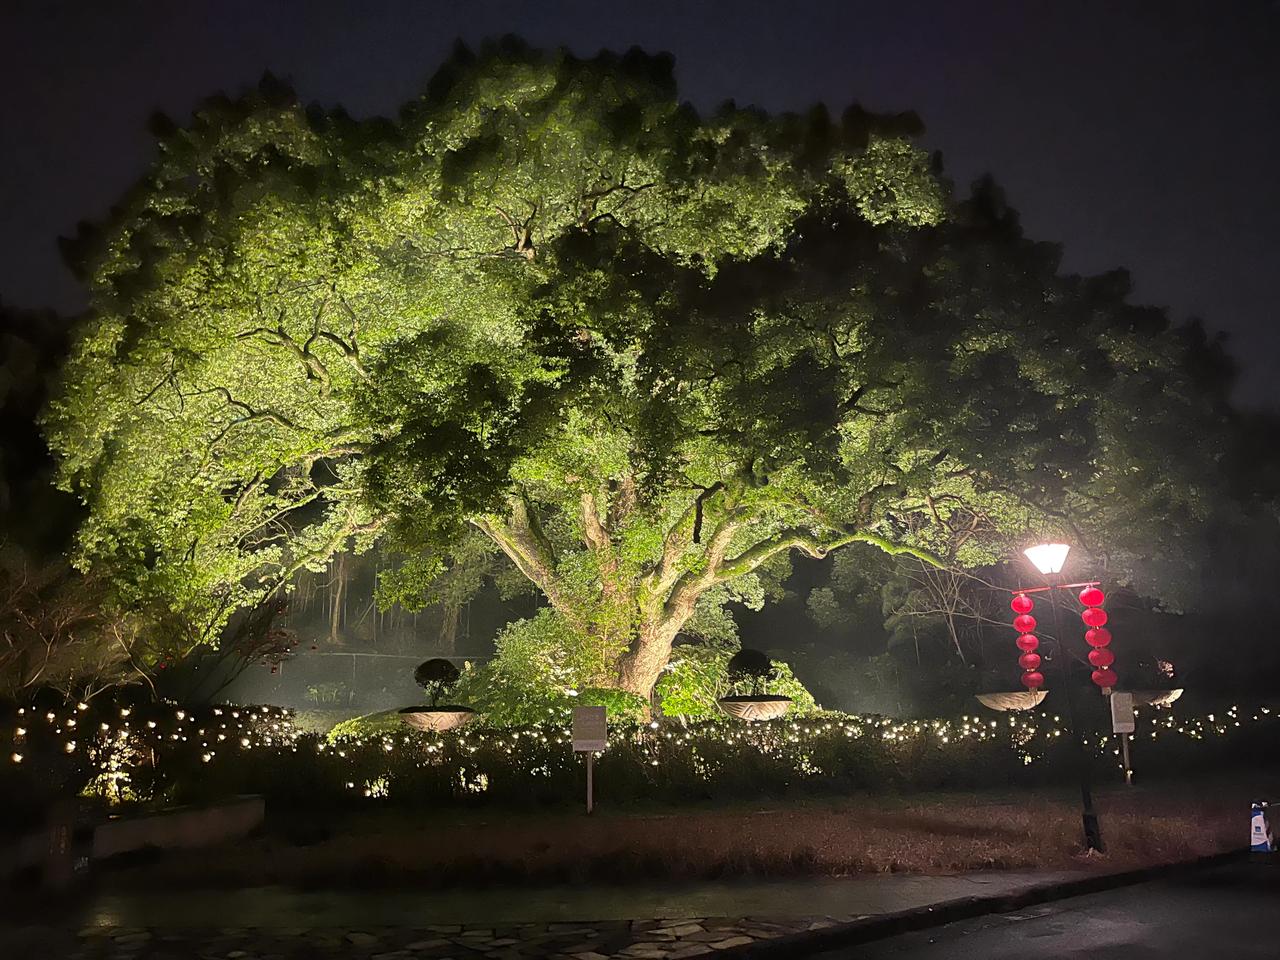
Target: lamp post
x=1048 y=559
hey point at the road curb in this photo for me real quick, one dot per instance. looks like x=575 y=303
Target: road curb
x=886 y=925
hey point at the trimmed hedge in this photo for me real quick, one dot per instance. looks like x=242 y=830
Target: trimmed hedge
x=159 y=753
x=827 y=754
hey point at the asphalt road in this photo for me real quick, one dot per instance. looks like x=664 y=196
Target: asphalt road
x=1228 y=913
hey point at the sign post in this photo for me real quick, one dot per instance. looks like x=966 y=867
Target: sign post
x=590 y=735
x=59 y=863
x=1123 y=722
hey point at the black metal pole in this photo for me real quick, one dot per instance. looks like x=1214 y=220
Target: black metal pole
x=1092 y=830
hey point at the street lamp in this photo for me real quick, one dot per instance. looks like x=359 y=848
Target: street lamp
x=1048 y=559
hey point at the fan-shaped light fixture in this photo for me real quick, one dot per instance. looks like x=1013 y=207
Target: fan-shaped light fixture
x=1048 y=557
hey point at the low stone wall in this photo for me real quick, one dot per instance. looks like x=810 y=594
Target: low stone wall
x=22 y=852
x=180 y=828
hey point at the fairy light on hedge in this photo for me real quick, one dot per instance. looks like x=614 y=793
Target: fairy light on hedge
x=475 y=759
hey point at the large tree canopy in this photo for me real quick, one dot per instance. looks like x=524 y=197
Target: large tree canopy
x=641 y=350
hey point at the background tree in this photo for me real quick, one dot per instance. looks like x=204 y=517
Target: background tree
x=642 y=351
x=416 y=580
x=60 y=631
x=252 y=637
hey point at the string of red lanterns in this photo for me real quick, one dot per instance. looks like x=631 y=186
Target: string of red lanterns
x=1027 y=641
x=1098 y=637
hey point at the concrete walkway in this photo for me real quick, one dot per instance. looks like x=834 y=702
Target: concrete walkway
x=276 y=907
x=647 y=922
x=1228 y=912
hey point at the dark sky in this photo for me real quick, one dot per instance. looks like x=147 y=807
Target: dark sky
x=1141 y=134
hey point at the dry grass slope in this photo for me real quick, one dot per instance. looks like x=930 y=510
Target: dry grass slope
x=940 y=834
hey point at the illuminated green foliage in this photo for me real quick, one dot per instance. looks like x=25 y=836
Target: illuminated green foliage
x=643 y=352
x=698 y=676
x=383 y=723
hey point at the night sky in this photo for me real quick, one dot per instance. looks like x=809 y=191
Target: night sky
x=1141 y=135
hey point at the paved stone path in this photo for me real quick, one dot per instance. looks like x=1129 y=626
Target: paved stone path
x=272 y=923
x=672 y=939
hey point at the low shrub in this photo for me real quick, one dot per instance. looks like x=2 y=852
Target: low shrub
x=122 y=750
x=160 y=753
x=369 y=725
x=823 y=754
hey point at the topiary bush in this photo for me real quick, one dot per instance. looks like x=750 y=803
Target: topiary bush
x=437 y=677
x=749 y=672
x=698 y=676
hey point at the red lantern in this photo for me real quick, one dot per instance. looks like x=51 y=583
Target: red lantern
x=1097 y=638
x=1033 y=679
x=1105 y=678
x=1024 y=623
x=1094 y=616
x=1101 y=657
x=1092 y=597
x=1021 y=603
x=1030 y=661
x=1027 y=642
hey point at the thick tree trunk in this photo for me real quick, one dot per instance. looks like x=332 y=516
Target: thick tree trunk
x=450 y=614
x=640 y=668
x=660 y=601
x=642 y=664
x=337 y=605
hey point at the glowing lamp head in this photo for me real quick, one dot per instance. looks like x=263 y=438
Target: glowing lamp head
x=1048 y=557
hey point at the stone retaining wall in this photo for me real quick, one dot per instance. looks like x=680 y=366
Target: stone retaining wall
x=180 y=828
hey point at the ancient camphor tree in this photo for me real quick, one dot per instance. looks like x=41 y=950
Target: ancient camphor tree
x=641 y=350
